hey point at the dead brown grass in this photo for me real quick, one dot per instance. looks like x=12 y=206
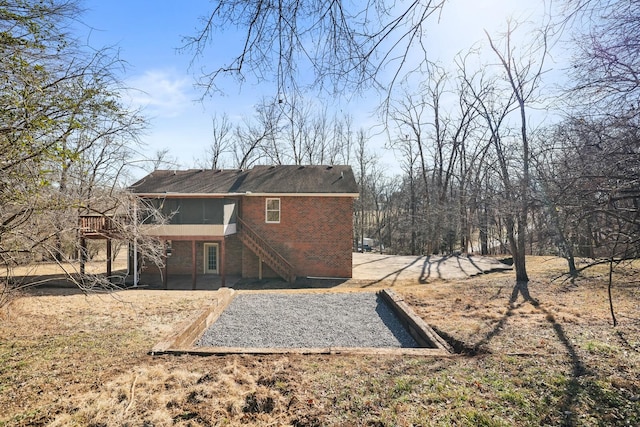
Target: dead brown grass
x=70 y=359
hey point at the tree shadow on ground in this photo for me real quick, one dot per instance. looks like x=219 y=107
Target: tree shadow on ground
x=432 y=268
x=426 y=272
x=573 y=388
x=395 y=274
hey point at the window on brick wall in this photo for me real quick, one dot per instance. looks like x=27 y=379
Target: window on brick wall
x=272 y=210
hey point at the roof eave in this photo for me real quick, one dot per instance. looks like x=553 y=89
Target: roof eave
x=247 y=194
x=182 y=195
x=251 y=194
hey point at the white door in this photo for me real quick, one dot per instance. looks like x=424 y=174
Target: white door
x=210 y=258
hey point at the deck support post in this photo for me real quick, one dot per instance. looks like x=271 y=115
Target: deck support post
x=222 y=272
x=165 y=277
x=193 y=265
x=109 y=259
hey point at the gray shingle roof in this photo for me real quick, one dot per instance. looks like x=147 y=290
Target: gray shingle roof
x=283 y=179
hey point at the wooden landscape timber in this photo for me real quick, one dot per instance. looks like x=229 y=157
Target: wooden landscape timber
x=187 y=333
x=424 y=335
x=183 y=339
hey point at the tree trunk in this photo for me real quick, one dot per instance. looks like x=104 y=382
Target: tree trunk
x=519 y=260
x=610 y=284
x=517 y=243
x=484 y=232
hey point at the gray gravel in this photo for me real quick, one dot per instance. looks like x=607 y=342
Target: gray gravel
x=273 y=320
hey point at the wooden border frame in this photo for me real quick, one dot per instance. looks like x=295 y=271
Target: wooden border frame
x=183 y=339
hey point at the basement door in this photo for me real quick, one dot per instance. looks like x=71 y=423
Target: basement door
x=211 y=258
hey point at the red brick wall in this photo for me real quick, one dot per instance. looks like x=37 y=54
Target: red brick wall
x=180 y=260
x=250 y=267
x=314 y=233
x=233 y=255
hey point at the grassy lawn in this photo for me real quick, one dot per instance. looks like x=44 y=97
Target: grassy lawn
x=70 y=359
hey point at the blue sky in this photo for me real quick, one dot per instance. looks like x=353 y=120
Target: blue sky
x=147 y=35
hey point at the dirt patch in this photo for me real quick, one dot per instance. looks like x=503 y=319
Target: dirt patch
x=71 y=359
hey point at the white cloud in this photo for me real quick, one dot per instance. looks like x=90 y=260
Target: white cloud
x=161 y=93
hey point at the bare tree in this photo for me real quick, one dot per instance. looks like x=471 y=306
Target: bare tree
x=606 y=60
x=281 y=131
x=494 y=102
x=408 y=217
x=410 y=116
x=600 y=134
x=342 y=141
x=162 y=159
x=524 y=74
x=220 y=141
x=438 y=132
x=468 y=160
x=255 y=140
x=340 y=44
x=316 y=140
x=555 y=194
x=295 y=114
x=65 y=137
x=365 y=164
x=590 y=182
x=380 y=188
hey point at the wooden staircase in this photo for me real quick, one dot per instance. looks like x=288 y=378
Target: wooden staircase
x=264 y=251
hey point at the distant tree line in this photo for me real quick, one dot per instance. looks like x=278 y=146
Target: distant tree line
x=481 y=171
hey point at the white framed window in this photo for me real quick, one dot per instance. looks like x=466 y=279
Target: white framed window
x=272 y=211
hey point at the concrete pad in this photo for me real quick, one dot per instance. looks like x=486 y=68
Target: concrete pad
x=183 y=282
x=381 y=267
x=370 y=268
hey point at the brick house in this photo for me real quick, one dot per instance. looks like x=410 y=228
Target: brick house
x=268 y=221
